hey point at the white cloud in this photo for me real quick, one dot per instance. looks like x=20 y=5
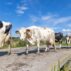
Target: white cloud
x=54 y=28
x=49 y=17
x=69 y=25
x=9 y=3
x=66 y=30
x=34 y=18
x=45 y=18
x=62 y=20
x=20 y=12
x=54 y=20
x=21 y=9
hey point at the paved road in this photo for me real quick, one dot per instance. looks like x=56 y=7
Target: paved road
x=45 y=61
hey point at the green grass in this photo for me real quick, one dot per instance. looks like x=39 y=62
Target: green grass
x=16 y=43
x=65 y=67
x=63 y=44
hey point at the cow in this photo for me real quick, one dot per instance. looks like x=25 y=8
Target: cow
x=59 y=37
x=35 y=34
x=5 y=28
x=68 y=39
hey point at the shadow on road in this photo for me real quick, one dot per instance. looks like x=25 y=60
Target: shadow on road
x=2 y=53
x=22 y=51
x=31 y=51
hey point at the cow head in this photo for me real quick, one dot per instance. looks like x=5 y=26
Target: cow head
x=22 y=33
x=25 y=34
x=58 y=37
x=5 y=27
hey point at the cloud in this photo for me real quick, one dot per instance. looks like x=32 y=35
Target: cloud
x=54 y=28
x=66 y=30
x=40 y=18
x=69 y=25
x=62 y=20
x=51 y=20
x=49 y=17
x=45 y=18
x=9 y=3
x=56 y=19
x=21 y=9
x=34 y=18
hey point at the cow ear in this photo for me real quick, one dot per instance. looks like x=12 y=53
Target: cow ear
x=28 y=33
x=17 y=32
x=28 y=30
x=1 y=24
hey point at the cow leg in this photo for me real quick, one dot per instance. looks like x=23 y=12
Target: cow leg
x=47 y=48
x=9 y=47
x=54 y=47
x=60 y=42
x=27 y=49
x=60 y=46
x=38 y=45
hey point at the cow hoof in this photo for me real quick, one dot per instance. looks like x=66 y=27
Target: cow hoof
x=26 y=51
x=38 y=52
x=9 y=53
x=55 y=50
x=26 y=54
x=47 y=49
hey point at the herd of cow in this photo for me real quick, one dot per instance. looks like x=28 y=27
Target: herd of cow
x=32 y=35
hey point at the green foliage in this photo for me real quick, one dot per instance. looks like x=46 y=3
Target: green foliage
x=20 y=43
x=65 y=67
x=16 y=42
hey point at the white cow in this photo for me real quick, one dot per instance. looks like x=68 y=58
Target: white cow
x=36 y=34
x=5 y=32
x=68 y=39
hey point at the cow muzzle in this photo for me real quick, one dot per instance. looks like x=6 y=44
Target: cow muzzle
x=8 y=28
x=17 y=32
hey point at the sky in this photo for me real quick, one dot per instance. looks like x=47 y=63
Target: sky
x=55 y=14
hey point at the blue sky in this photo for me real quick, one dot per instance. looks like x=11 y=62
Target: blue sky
x=55 y=14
